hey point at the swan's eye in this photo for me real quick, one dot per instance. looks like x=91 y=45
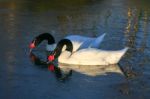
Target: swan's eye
x=51 y=58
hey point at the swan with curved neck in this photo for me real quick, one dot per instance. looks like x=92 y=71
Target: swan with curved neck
x=58 y=50
x=45 y=36
x=87 y=56
x=78 y=42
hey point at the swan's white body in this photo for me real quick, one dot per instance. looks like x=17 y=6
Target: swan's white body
x=80 y=42
x=91 y=56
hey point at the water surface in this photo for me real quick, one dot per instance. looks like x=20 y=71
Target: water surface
x=125 y=22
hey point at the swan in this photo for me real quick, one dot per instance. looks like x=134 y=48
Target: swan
x=38 y=39
x=79 y=42
x=87 y=56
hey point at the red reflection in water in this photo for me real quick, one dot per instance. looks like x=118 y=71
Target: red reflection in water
x=51 y=67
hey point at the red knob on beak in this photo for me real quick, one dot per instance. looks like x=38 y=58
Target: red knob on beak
x=32 y=45
x=51 y=58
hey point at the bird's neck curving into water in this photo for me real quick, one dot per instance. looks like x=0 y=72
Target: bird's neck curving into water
x=60 y=45
x=45 y=36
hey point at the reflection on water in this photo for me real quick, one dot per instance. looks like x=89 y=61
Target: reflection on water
x=87 y=70
x=92 y=70
x=137 y=33
x=132 y=29
x=51 y=67
x=126 y=22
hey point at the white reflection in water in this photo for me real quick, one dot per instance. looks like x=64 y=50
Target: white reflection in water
x=10 y=21
x=91 y=70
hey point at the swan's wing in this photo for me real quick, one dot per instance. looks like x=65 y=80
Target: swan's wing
x=96 y=43
x=86 y=44
x=93 y=54
x=78 y=41
x=82 y=42
x=92 y=42
x=88 y=53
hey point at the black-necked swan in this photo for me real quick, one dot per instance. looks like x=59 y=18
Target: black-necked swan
x=79 y=42
x=44 y=36
x=87 y=56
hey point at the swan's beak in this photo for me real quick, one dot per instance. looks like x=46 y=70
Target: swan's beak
x=50 y=59
x=32 y=46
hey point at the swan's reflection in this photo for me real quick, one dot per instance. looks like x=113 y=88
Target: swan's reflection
x=37 y=61
x=61 y=76
x=92 y=70
x=63 y=71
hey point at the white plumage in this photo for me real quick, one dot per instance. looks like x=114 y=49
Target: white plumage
x=86 y=52
x=80 y=42
x=91 y=56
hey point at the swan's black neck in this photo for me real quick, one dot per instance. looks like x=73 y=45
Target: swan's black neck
x=61 y=43
x=45 y=36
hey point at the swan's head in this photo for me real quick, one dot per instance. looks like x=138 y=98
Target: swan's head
x=38 y=39
x=34 y=43
x=57 y=51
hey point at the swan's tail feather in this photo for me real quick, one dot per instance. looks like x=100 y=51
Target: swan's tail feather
x=116 y=56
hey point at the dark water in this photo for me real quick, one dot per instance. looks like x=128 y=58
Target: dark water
x=126 y=22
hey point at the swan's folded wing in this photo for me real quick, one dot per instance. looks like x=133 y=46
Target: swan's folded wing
x=92 y=42
x=89 y=56
x=88 y=53
x=96 y=43
x=77 y=41
x=99 y=56
x=85 y=44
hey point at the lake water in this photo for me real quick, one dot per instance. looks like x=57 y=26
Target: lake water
x=125 y=22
